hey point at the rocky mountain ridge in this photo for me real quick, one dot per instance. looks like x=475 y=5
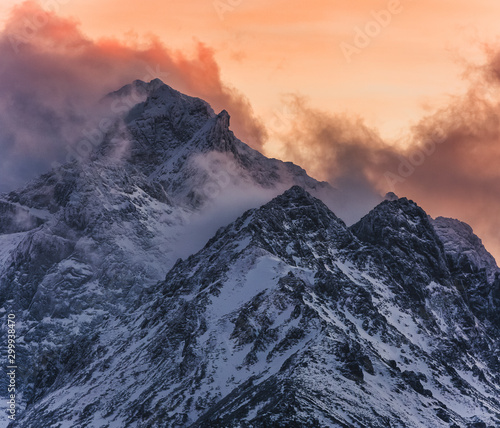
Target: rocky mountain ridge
x=285 y=317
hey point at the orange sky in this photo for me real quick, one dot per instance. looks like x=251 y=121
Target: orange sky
x=409 y=66
x=269 y=47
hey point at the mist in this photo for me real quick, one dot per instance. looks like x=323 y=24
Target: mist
x=52 y=78
x=447 y=162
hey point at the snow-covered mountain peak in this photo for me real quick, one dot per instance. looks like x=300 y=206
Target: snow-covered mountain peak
x=394 y=219
x=295 y=195
x=162 y=124
x=170 y=134
x=300 y=208
x=163 y=101
x=138 y=86
x=294 y=226
x=296 y=210
x=465 y=249
x=402 y=231
x=391 y=196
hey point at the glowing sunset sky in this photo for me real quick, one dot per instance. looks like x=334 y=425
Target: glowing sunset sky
x=345 y=106
x=267 y=48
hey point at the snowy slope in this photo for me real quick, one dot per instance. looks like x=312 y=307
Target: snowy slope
x=282 y=317
x=475 y=271
x=286 y=318
x=170 y=169
x=463 y=247
x=82 y=242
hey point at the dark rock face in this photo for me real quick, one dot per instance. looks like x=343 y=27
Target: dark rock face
x=475 y=272
x=409 y=245
x=285 y=318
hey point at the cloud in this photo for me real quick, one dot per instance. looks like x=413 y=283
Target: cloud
x=338 y=148
x=461 y=178
x=52 y=77
x=447 y=163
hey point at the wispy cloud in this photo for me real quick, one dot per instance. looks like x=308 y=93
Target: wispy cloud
x=448 y=161
x=52 y=77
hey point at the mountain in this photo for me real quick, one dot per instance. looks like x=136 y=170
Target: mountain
x=284 y=317
x=81 y=242
x=289 y=318
x=474 y=269
x=115 y=222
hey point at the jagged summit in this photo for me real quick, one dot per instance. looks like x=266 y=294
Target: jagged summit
x=168 y=131
x=391 y=196
x=147 y=100
x=474 y=269
x=298 y=210
x=224 y=118
x=163 y=100
x=158 y=94
x=465 y=249
x=410 y=246
x=289 y=226
x=141 y=87
x=295 y=197
x=392 y=218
